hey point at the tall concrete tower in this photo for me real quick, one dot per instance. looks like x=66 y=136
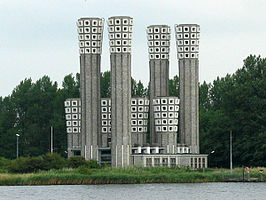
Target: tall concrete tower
x=90 y=41
x=158 y=42
x=120 y=34
x=187 y=40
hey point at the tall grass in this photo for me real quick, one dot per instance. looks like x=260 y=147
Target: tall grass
x=125 y=175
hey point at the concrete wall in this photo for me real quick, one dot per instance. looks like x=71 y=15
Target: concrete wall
x=166 y=122
x=158 y=42
x=90 y=42
x=187 y=36
x=73 y=124
x=139 y=120
x=189 y=160
x=105 y=122
x=120 y=34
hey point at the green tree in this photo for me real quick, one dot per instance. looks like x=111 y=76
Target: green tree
x=174 y=86
x=105 y=85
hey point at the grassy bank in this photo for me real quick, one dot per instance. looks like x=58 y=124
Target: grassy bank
x=128 y=175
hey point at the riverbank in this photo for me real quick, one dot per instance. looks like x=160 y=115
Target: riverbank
x=128 y=175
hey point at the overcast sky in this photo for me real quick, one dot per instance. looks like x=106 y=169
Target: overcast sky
x=39 y=37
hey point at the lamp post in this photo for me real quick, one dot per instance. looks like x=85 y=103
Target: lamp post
x=17 y=143
x=231 y=154
x=212 y=152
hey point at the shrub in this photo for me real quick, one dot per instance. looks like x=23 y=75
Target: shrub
x=93 y=164
x=54 y=161
x=74 y=162
x=77 y=161
x=26 y=165
x=19 y=165
x=83 y=170
x=4 y=163
x=35 y=164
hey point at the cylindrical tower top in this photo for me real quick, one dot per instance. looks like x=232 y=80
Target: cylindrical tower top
x=187 y=40
x=90 y=32
x=158 y=41
x=120 y=34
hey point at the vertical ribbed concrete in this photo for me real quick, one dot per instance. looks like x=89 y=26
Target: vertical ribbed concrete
x=159 y=78
x=158 y=42
x=187 y=36
x=90 y=101
x=189 y=112
x=120 y=33
x=120 y=100
x=90 y=37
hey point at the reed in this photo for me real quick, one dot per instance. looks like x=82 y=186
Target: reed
x=125 y=175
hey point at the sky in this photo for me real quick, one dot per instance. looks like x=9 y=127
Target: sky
x=40 y=37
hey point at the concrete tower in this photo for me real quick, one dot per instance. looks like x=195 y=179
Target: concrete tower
x=90 y=41
x=120 y=34
x=158 y=42
x=187 y=39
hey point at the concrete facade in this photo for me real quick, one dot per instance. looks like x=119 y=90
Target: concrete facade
x=166 y=111
x=120 y=34
x=159 y=43
x=139 y=121
x=73 y=124
x=106 y=131
x=194 y=161
x=114 y=130
x=187 y=39
x=90 y=41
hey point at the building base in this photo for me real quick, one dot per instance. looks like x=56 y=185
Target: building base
x=193 y=161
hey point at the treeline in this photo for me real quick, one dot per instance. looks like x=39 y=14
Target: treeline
x=33 y=107
x=234 y=103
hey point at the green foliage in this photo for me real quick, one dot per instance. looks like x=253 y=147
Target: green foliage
x=105 y=84
x=84 y=170
x=33 y=164
x=132 y=174
x=174 y=86
x=4 y=164
x=93 y=164
x=137 y=89
x=74 y=162
x=236 y=102
x=20 y=165
x=77 y=161
x=54 y=161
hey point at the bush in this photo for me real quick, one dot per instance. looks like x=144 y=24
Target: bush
x=54 y=161
x=46 y=162
x=4 y=163
x=19 y=165
x=93 y=164
x=26 y=165
x=75 y=162
x=35 y=164
x=83 y=170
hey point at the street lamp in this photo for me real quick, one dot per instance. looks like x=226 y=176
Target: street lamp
x=212 y=152
x=17 y=143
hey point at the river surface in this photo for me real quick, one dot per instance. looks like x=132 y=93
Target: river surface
x=182 y=191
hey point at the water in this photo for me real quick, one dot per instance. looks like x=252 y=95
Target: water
x=183 y=191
